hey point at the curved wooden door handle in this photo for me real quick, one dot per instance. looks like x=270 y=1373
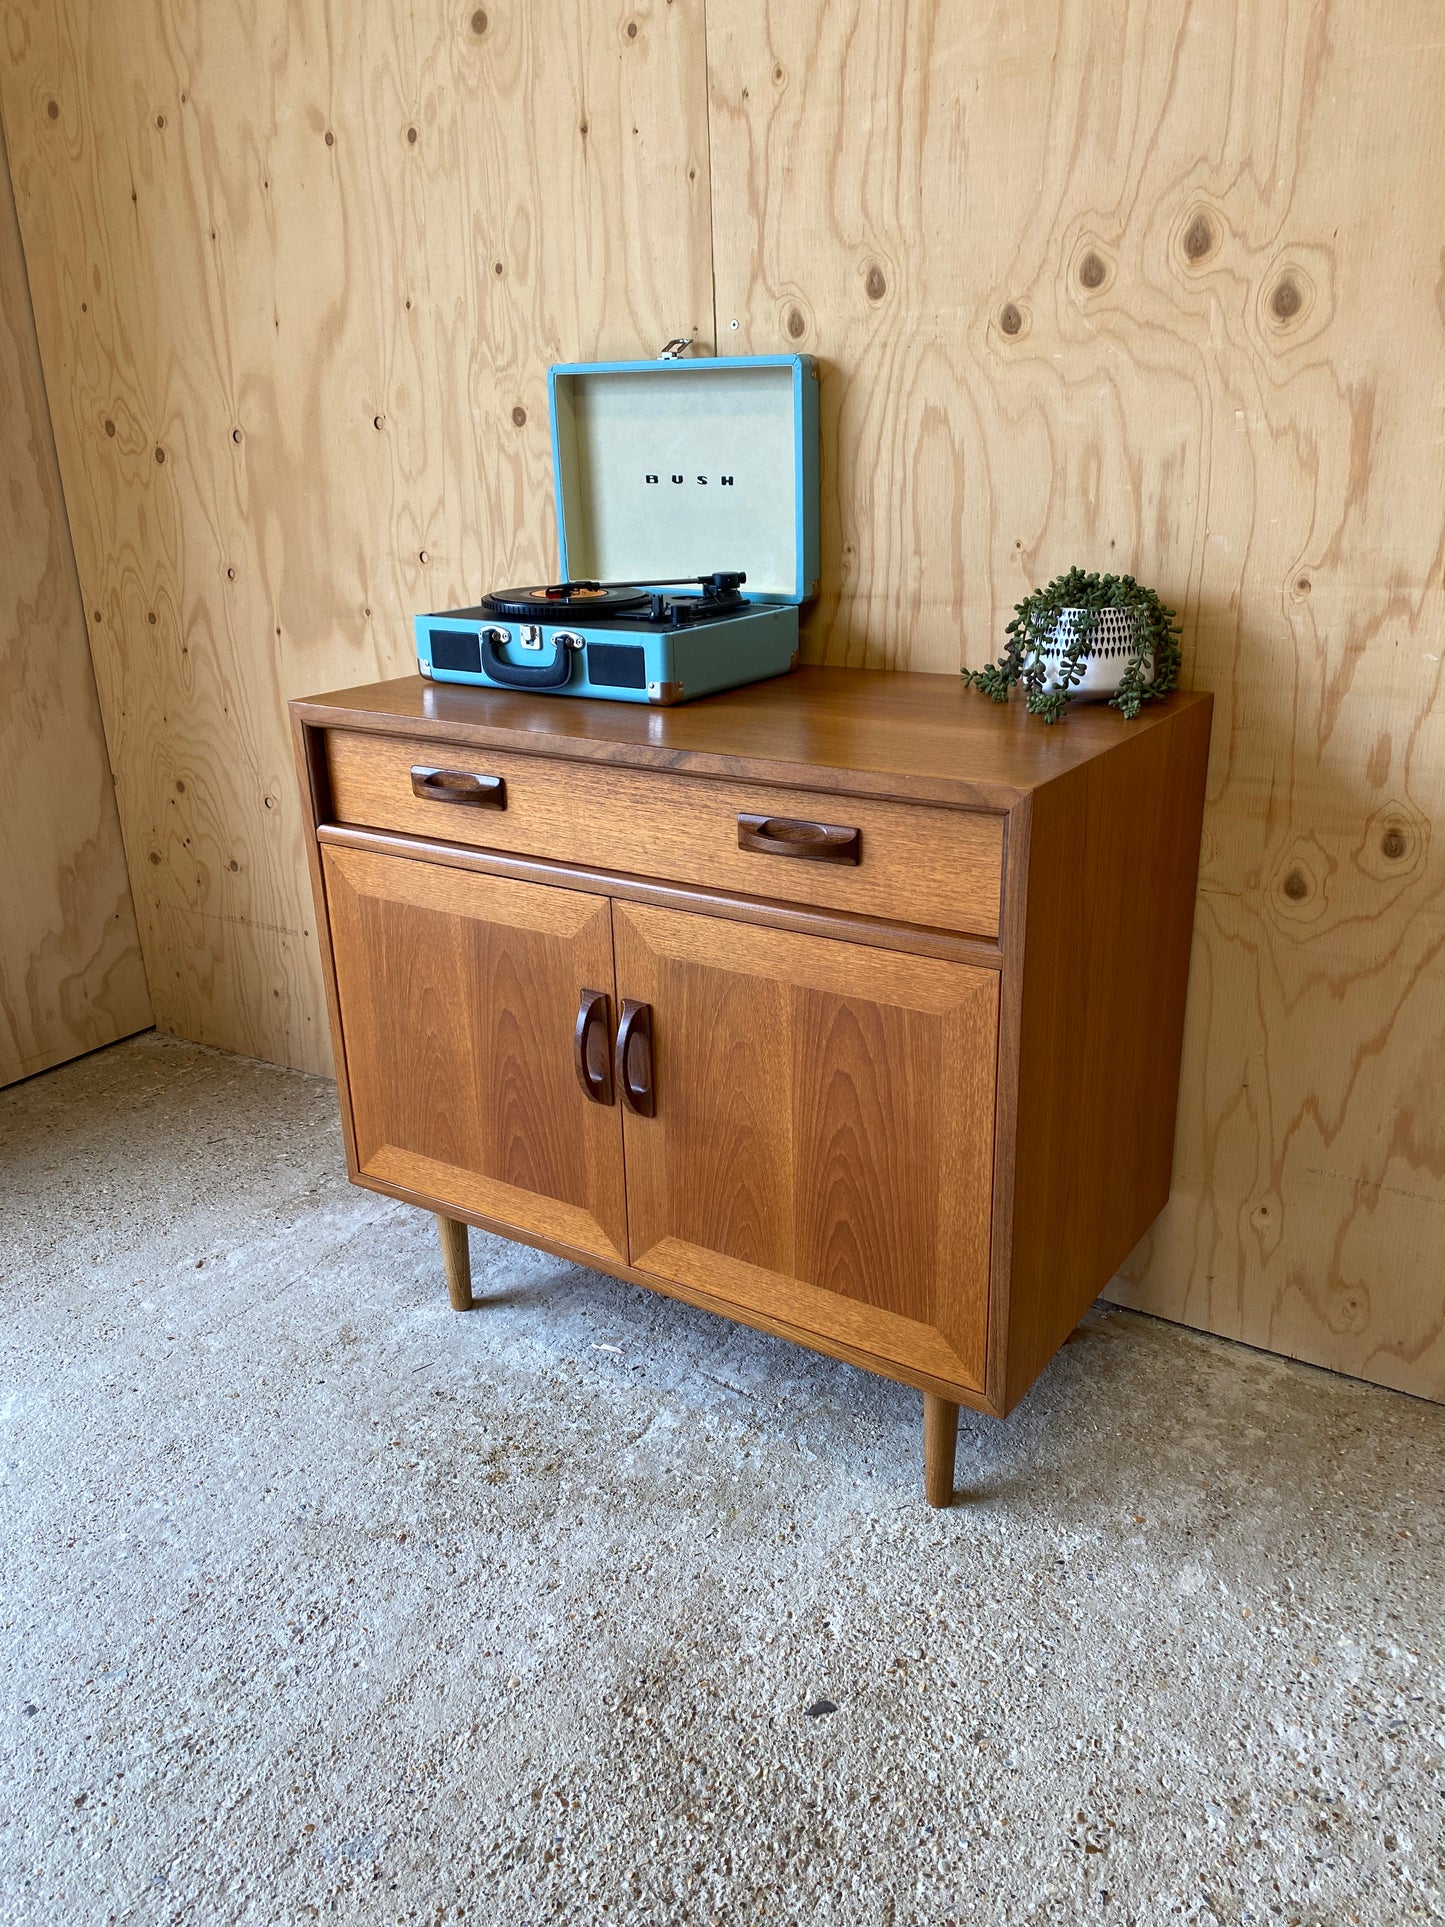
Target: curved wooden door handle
x=459 y=786
x=594 y=1019
x=794 y=836
x=634 y=1058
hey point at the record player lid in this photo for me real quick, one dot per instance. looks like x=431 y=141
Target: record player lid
x=677 y=468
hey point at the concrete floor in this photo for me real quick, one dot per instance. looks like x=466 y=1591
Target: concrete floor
x=321 y=1601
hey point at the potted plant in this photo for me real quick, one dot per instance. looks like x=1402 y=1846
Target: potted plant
x=1085 y=635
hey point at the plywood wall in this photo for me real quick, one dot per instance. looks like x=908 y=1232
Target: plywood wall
x=1143 y=285
x=299 y=270
x=70 y=965
x=1160 y=287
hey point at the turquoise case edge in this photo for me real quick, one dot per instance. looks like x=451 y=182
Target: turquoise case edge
x=762 y=642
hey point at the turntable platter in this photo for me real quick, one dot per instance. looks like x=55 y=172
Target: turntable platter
x=593 y=598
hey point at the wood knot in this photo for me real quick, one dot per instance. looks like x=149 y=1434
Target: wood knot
x=52 y=107
x=1349 y=1308
x=160 y=454
x=632 y=30
x=1092 y=272
x=796 y=325
x=1303 y=586
x=1199 y=237
x=1010 y=320
x=109 y=426
x=330 y=138
x=479 y=22
x=1296 y=887
x=411 y=137
x=1393 y=844
x=236 y=436
x=160 y=120
x=777 y=73
x=1286 y=300
x=875 y=284
x=151 y=617
x=519 y=416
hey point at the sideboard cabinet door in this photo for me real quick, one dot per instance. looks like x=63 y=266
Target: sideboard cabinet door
x=820 y=1147
x=460 y=998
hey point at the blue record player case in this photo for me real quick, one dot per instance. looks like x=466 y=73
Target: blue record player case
x=667 y=473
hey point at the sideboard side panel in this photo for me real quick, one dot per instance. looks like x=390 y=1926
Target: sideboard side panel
x=309 y=748
x=1113 y=865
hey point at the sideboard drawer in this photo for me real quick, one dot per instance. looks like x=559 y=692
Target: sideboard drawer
x=913 y=863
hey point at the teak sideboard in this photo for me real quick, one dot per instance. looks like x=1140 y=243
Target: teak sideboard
x=847 y=1004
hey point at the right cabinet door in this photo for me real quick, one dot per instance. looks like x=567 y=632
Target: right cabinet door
x=821 y=1148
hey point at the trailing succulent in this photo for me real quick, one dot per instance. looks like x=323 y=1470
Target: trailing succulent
x=1048 y=682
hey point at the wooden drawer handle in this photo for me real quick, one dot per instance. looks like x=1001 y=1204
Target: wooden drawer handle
x=459 y=786
x=634 y=1058
x=594 y=1066
x=790 y=836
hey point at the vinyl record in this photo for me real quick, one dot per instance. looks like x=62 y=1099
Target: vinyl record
x=561 y=598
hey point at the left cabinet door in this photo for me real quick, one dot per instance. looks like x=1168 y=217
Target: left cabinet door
x=460 y=997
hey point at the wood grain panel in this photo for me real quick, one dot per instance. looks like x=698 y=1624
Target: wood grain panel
x=852 y=732
x=1148 y=286
x=70 y=965
x=942 y=868
x=823 y=1145
x=1105 y=953
x=1159 y=288
x=299 y=269
x=472 y=1099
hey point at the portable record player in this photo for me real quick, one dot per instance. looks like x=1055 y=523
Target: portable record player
x=687 y=518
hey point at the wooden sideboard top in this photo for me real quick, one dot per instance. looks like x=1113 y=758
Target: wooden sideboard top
x=875 y=731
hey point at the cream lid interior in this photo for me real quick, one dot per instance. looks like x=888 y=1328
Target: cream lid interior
x=679 y=469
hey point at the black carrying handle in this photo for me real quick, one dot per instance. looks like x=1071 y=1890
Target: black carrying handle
x=511 y=675
x=634 y=1040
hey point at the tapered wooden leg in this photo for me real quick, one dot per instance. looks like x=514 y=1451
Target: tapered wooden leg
x=940 y=1442
x=457 y=1257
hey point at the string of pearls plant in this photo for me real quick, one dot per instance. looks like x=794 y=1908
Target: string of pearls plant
x=1085 y=635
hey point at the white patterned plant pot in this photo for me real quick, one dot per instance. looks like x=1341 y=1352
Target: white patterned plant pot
x=1110 y=650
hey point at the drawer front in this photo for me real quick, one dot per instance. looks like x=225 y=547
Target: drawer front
x=908 y=862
